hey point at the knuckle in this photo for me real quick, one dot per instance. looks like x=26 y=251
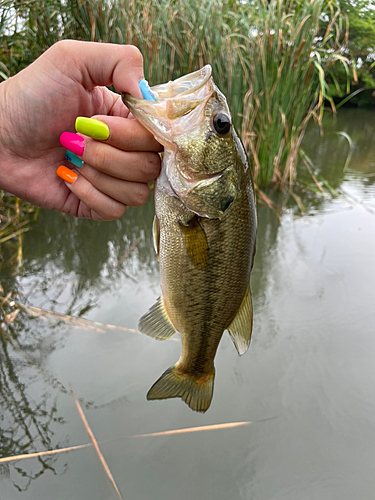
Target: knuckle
x=112 y=212
x=63 y=46
x=139 y=194
x=152 y=166
x=100 y=155
x=92 y=175
x=115 y=211
x=133 y=55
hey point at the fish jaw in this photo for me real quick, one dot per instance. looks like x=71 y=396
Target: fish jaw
x=184 y=97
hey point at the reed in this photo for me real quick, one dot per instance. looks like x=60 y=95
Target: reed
x=16 y=217
x=292 y=57
x=272 y=58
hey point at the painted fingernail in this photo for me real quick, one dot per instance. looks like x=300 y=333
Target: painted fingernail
x=93 y=128
x=73 y=159
x=147 y=93
x=66 y=174
x=74 y=142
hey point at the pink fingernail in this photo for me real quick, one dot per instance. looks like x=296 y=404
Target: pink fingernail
x=74 y=142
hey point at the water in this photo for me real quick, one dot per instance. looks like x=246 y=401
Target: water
x=306 y=384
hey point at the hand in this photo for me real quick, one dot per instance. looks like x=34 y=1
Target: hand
x=69 y=80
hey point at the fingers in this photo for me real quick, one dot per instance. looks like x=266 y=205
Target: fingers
x=125 y=134
x=124 y=165
x=102 y=207
x=126 y=192
x=102 y=64
x=109 y=157
x=112 y=170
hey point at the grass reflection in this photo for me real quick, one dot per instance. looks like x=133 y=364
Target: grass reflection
x=26 y=423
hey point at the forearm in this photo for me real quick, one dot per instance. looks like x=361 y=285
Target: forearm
x=4 y=121
x=5 y=133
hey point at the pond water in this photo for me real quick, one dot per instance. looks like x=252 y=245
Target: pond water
x=306 y=386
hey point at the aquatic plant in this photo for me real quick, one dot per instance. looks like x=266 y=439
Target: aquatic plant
x=271 y=58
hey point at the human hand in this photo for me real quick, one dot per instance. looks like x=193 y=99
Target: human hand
x=70 y=79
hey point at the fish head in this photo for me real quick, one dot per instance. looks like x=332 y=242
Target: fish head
x=203 y=155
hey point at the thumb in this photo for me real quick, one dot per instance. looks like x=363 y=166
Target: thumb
x=102 y=64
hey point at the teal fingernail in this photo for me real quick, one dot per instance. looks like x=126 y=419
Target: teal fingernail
x=73 y=159
x=147 y=93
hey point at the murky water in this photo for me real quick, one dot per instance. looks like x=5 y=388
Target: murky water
x=306 y=385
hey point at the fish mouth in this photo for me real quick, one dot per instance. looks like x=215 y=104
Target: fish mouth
x=168 y=116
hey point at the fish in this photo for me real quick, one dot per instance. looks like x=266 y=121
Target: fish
x=204 y=232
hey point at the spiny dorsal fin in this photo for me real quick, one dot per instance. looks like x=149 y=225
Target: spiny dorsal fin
x=196 y=242
x=196 y=392
x=242 y=325
x=155 y=323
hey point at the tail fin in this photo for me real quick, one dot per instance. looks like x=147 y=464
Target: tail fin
x=195 y=392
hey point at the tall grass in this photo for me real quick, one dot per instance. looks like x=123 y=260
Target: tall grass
x=271 y=58
x=291 y=59
x=15 y=218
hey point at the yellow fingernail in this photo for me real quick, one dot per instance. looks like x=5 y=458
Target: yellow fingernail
x=93 y=128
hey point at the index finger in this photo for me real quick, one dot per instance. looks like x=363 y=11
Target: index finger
x=102 y=64
x=127 y=134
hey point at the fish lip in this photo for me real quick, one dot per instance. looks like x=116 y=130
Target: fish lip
x=185 y=85
x=191 y=83
x=186 y=93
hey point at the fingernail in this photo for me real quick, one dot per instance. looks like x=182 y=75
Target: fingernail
x=93 y=128
x=66 y=174
x=147 y=93
x=73 y=159
x=74 y=142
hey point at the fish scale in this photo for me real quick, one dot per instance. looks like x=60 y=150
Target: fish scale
x=205 y=232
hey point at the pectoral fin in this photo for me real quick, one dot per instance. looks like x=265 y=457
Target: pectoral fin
x=241 y=327
x=156 y=323
x=196 y=242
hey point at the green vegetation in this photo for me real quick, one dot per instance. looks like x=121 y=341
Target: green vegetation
x=15 y=218
x=360 y=49
x=276 y=60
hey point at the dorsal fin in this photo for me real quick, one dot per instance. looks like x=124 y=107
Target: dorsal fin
x=156 y=323
x=242 y=325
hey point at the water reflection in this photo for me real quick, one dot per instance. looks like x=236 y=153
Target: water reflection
x=108 y=272
x=27 y=423
x=87 y=259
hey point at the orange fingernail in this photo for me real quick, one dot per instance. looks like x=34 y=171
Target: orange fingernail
x=66 y=174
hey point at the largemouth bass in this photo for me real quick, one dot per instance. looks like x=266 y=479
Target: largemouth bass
x=204 y=232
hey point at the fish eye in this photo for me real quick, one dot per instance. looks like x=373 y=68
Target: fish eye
x=222 y=123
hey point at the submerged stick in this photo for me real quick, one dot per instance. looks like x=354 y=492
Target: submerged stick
x=81 y=322
x=187 y=430
x=96 y=446
x=43 y=453
x=131 y=248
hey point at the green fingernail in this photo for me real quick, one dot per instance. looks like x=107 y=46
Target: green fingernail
x=93 y=128
x=73 y=158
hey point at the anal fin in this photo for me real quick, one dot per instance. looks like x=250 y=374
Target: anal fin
x=241 y=327
x=155 y=322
